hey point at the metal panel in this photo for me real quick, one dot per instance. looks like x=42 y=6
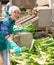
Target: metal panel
x=44 y=15
x=42 y=2
x=53 y=14
x=24 y=39
x=51 y=3
x=24 y=3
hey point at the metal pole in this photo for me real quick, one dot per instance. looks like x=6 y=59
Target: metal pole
x=10 y=1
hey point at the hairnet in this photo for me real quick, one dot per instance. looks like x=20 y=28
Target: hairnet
x=13 y=8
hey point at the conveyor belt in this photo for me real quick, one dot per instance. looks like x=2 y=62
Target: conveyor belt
x=27 y=19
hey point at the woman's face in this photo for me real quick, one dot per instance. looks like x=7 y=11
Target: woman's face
x=15 y=15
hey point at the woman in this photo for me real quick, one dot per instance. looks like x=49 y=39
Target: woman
x=6 y=29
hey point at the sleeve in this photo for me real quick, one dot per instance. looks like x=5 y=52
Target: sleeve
x=4 y=29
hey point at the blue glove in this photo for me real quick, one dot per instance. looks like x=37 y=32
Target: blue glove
x=15 y=29
x=16 y=48
x=22 y=29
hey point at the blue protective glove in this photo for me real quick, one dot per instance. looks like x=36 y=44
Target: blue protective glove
x=22 y=29
x=15 y=29
x=16 y=48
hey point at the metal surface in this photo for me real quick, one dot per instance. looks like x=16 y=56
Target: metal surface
x=53 y=14
x=24 y=3
x=44 y=15
x=51 y=3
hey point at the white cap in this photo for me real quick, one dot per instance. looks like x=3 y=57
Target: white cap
x=13 y=8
